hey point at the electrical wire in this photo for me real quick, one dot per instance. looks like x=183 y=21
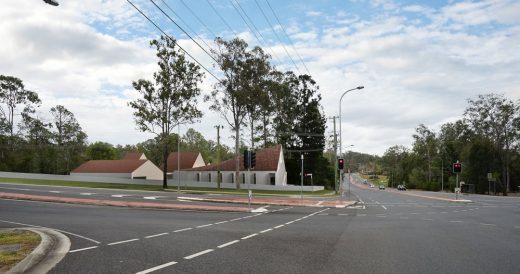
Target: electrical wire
x=288 y=38
x=221 y=18
x=198 y=19
x=175 y=42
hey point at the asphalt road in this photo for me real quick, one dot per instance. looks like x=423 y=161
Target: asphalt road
x=388 y=232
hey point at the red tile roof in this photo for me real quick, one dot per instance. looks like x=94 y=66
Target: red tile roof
x=187 y=158
x=133 y=156
x=109 y=166
x=266 y=160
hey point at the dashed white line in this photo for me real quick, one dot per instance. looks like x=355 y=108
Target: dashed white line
x=200 y=226
x=456 y=221
x=156 y=235
x=122 y=242
x=488 y=224
x=184 y=229
x=198 y=254
x=278 y=226
x=156 y=268
x=55 y=191
x=229 y=243
x=249 y=236
x=267 y=230
x=235 y=219
x=427 y=219
x=223 y=222
x=82 y=249
x=384 y=207
x=288 y=223
x=86 y=194
x=323 y=214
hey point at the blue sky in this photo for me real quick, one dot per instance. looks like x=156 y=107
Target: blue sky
x=419 y=60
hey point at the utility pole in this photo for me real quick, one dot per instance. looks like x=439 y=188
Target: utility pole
x=218 y=154
x=178 y=157
x=301 y=191
x=335 y=156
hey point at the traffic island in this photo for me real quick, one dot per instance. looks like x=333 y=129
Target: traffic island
x=277 y=202
x=15 y=245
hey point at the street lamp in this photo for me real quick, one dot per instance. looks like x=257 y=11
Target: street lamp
x=52 y=2
x=340 y=140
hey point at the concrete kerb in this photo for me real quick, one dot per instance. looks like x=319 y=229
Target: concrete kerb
x=52 y=248
x=305 y=203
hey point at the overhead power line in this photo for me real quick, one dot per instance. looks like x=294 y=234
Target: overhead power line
x=186 y=24
x=237 y=7
x=276 y=34
x=198 y=19
x=167 y=35
x=222 y=18
x=173 y=21
x=288 y=38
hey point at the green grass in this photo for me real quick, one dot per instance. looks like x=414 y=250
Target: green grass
x=28 y=241
x=171 y=187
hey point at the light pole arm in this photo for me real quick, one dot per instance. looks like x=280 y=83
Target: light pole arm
x=340 y=99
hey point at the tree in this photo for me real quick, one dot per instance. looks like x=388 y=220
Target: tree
x=170 y=100
x=497 y=118
x=69 y=137
x=426 y=145
x=101 y=151
x=232 y=94
x=12 y=95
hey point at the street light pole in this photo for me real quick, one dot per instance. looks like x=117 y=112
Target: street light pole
x=340 y=139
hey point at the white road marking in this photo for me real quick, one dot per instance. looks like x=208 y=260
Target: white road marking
x=229 y=243
x=323 y=214
x=247 y=217
x=156 y=268
x=235 y=219
x=63 y=231
x=184 y=229
x=384 y=207
x=456 y=221
x=151 y=197
x=249 y=236
x=156 y=235
x=81 y=249
x=204 y=225
x=288 y=223
x=343 y=214
x=223 y=222
x=488 y=224
x=86 y=193
x=122 y=242
x=278 y=226
x=120 y=195
x=427 y=219
x=267 y=230
x=198 y=254
x=55 y=191
x=361 y=215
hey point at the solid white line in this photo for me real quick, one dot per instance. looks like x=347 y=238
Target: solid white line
x=488 y=224
x=198 y=254
x=227 y=244
x=278 y=226
x=122 y=242
x=156 y=268
x=55 y=191
x=384 y=207
x=267 y=230
x=184 y=229
x=63 y=231
x=223 y=222
x=81 y=249
x=288 y=223
x=249 y=236
x=204 y=225
x=156 y=235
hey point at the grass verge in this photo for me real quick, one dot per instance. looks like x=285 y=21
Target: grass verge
x=194 y=190
x=23 y=241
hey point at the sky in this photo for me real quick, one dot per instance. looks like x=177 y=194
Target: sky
x=419 y=61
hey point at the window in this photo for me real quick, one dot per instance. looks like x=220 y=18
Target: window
x=209 y=177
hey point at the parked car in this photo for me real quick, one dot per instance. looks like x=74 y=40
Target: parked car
x=401 y=187
x=372 y=186
x=381 y=187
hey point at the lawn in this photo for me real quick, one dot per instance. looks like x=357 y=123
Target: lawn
x=381 y=180
x=15 y=245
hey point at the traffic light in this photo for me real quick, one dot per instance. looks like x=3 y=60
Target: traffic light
x=253 y=159
x=246 y=159
x=457 y=167
x=341 y=163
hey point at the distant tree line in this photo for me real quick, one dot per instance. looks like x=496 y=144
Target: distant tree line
x=486 y=140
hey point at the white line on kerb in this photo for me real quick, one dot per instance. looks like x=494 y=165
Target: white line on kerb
x=198 y=254
x=204 y=225
x=184 y=229
x=81 y=249
x=156 y=268
x=229 y=243
x=249 y=236
x=267 y=230
x=156 y=235
x=122 y=242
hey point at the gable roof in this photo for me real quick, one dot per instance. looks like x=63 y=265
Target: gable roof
x=109 y=166
x=134 y=155
x=266 y=160
x=187 y=158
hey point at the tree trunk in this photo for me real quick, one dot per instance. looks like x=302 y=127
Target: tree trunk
x=165 y=166
x=237 y=155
